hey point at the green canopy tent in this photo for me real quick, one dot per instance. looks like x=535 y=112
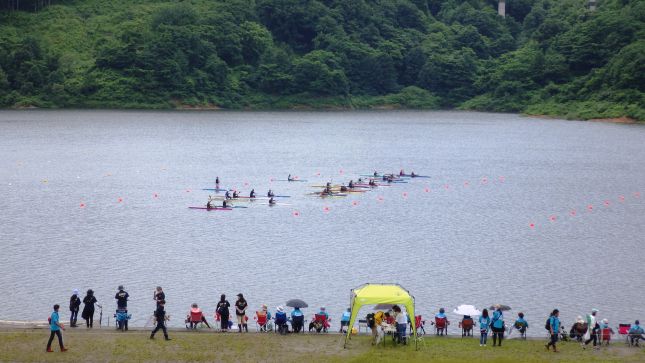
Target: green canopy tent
x=373 y=294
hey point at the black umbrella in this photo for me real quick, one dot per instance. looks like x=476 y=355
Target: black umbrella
x=383 y=307
x=501 y=307
x=297 y=303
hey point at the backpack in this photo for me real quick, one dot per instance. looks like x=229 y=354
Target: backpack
x=370 y=320
x=547 y=326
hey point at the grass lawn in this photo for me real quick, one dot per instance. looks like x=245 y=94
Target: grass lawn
x=107 y=345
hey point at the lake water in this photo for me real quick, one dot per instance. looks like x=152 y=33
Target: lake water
x=94 y=199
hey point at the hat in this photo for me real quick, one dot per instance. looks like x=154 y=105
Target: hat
x=322 y=308
x=120 y=287
x=280 y=308
x=579 y=319
x=75 y=291
x=594 y=310
x=605 y=321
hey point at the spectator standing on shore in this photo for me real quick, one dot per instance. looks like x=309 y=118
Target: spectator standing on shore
x=122 y=302
x=160 y=318
x=240 y=313
x=484 y=325
x=88 y=310
x=401 y=324
x=159 y=295
x=344 y=320
x=554 y=329
x=592 y=329
x=55 y=327
x=222 y=310
x=74 y=307
x=498 y=326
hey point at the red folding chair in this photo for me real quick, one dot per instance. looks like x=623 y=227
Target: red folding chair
x=261 y=321
x=441 y=326
x=321 y=323
x=605 y=335
x=418 y=320
x=623 y=331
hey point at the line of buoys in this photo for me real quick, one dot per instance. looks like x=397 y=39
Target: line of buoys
x=590 y=208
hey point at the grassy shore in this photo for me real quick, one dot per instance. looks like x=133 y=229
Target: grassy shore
x=106 y=345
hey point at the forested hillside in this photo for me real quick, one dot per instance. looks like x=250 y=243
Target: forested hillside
x=554 y=57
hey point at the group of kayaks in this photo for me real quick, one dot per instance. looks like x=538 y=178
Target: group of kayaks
x=364 y=183
x=225 y=202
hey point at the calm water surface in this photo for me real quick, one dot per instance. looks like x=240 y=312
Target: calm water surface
x=462 y=236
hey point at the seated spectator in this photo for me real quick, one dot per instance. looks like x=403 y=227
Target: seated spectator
x=297 y=320
x=636 y=333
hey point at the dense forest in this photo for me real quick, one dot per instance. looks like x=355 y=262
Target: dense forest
x=549 y=57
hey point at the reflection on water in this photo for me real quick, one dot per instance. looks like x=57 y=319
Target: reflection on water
x=94 y=199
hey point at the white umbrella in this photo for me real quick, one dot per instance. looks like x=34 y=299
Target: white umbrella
x=467 y=310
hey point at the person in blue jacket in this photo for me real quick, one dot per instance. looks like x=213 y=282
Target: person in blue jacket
x=484 y=325
x=520 y=324
x=297 y=320
x=636 y=333
x=344 y=320
x=55 y=327
x=554 y=328
x=497 y=325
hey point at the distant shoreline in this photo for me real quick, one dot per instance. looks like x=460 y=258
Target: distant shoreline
x=307 y=108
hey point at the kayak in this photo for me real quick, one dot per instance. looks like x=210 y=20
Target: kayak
x=211 y=208
x=328 y=196
x=373 y=186
x=359 y=185
x=415 y=176
x=292 y=180
x=274 y=204
x=221 y=197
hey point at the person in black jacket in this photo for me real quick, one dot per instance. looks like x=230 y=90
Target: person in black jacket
x=222 y=310
x=159 y=295
x=88 y=310
x=122 y=301
x=160 y=317
x=74 y=307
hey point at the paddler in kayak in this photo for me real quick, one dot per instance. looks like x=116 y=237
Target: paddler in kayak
x=372 y=183
x=375 y=174
x=343 y=188
x=235 y=194
x=412 y=174
x=360 y=180
x=327 y=188
x=252 y=194
x=208 y=204
x=351 y=184
x=217 y=180
x=289 y=178
x=272 y=201
x=227 y=195
x=224 y=204
x=401 y=173
x=270 y=193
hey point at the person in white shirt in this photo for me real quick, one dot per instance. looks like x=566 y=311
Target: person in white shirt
x=401 y=324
